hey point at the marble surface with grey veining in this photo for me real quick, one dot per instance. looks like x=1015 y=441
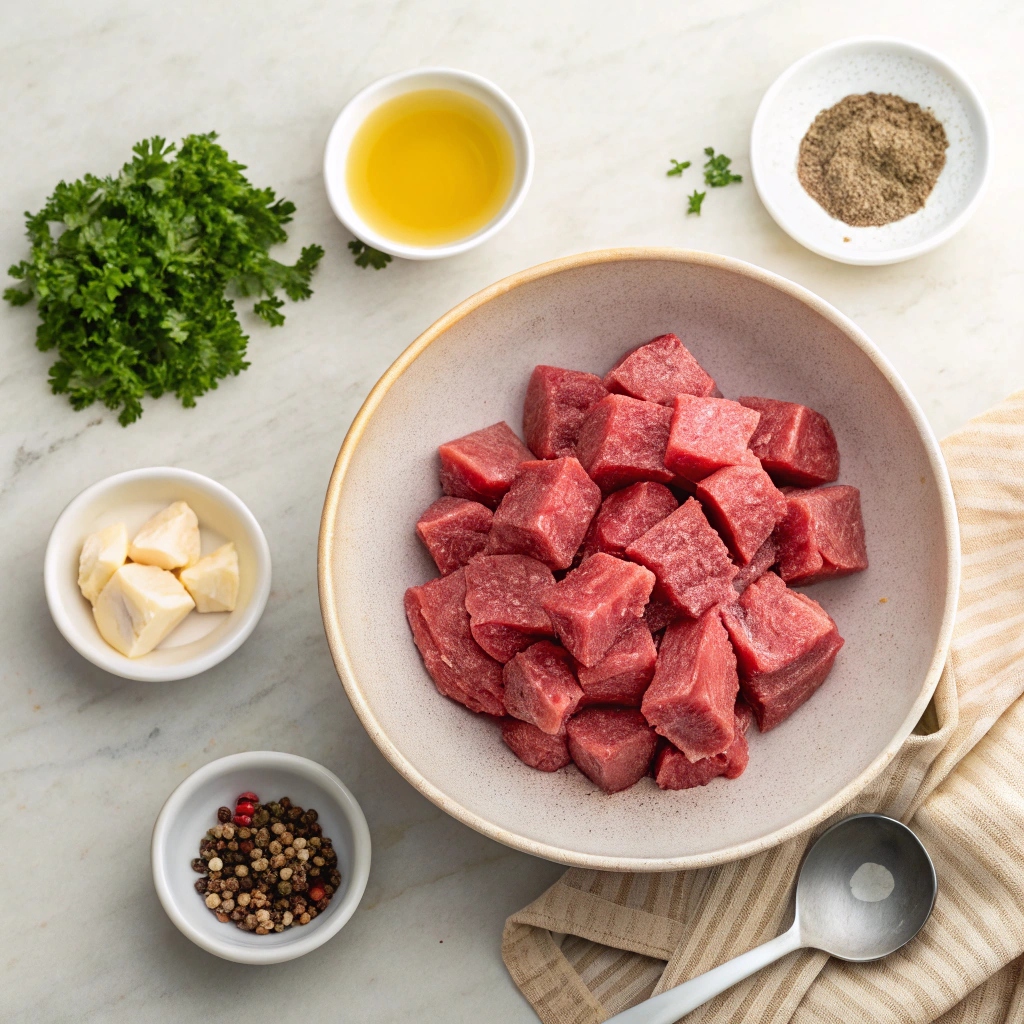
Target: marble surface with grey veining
x=611 y=92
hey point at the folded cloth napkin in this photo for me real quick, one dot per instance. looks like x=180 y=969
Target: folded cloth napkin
x=596 y=942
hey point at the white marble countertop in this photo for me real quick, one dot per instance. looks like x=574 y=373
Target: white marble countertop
x=611 y=92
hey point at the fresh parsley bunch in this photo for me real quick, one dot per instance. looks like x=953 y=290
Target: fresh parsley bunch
x=131 y=273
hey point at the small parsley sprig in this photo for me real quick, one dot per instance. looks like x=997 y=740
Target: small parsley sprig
x=131 y=274
x=716 y=170
x=367 y=256
x=694 y=202
x=677 y=168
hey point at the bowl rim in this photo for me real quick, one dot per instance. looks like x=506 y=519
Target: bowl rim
x=874 y=259
x=325 y=557
x=337 y=188
x=305 y=941
x=105 y=657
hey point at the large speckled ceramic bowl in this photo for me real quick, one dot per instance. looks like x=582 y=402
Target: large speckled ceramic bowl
x=756 y=334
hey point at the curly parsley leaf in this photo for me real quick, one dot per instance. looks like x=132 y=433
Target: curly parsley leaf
x=677 y=168
x=694 y=202
x=131 y=274
x=716 y=170
x=367 y=256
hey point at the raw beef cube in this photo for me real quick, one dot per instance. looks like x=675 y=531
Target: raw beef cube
x=765 y=558
x=454 y=530
x=482 y=465
x=626 y=515
x=535 y=748
x=821 y=536
x=707 y=434
x=659 y=613
x=689 y=558
x=623 y=674
x=674 y=770
x=540 y=687
x=692 y=698
x=546 y=512
x=557 y=401
x=743 y=504
x=658 y=371
x=592 y=606
x=503 y=595
x=623 y=440
x=613 y=747
x=785 y=645
x=440 y=626
x=795 y=444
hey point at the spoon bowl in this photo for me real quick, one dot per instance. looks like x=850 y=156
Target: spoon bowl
x=865 y=889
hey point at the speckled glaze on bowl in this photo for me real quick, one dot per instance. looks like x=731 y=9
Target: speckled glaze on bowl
x=755 y=333
x=870 y=64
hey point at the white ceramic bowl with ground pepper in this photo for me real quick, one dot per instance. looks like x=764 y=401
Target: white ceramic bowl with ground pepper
x=192 y=809
x=856 y=66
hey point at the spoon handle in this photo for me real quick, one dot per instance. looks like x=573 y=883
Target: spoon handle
x=673 y=1004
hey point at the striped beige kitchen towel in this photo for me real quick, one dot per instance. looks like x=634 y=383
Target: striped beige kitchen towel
x=595 y=943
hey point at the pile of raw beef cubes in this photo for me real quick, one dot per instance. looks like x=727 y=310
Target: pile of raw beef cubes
x=605 y=589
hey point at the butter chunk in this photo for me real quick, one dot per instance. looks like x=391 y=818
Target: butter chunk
x=169 y=540
x=213 y=581
x=103 y=553
x=138 y=608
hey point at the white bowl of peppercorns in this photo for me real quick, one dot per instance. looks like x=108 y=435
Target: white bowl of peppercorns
x=260 y=857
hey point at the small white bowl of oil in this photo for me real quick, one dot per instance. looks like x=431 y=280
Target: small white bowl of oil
x=428 y=163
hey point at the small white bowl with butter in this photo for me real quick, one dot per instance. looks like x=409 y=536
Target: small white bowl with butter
x=173 y=582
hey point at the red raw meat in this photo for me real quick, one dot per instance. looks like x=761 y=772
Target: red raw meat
x=503 y=595
x=794 y=443
x=692 y=698
x=540 y=687
x=623 y=440
x=592 y=606
x=482 y=465
x=613 y=747
x=707 y=434
x=440 y=626
x=691 y=562
x=743 y=504
x=624 y=673
x=821 y=536
x=785 y=646
x=535 y=748
x=628 y=514
x=454 y=530
x=658 y=371
x=659 y=613
x=765 y=558
x=674 y=770
x=546 y=512
x=557 y=401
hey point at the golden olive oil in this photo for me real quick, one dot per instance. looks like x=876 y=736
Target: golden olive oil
x=430 y=167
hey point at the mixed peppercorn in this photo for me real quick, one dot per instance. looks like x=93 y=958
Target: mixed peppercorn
x=266 y=867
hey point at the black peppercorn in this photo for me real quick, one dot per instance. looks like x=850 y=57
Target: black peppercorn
x=223 y=815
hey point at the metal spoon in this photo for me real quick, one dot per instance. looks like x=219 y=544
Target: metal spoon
x=865 y=889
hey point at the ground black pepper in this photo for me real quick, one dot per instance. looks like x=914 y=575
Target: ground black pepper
x=872 y=159
x=273 y=873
